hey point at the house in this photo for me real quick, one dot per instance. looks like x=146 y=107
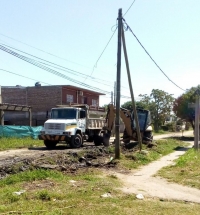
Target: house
x=42 y=98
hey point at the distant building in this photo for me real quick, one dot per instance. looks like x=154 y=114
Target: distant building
x=43 y=98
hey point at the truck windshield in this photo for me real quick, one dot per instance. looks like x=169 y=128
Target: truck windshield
x=63 y=113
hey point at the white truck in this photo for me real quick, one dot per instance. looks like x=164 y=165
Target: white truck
x=71 y=124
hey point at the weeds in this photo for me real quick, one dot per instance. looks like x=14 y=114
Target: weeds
x=185 y=171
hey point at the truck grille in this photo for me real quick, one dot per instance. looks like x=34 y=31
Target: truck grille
x=54 y=126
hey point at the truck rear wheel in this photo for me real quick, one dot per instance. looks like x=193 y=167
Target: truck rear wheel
x=98 y=140
x=76 y=141
x=50 y=144
x=106 y=139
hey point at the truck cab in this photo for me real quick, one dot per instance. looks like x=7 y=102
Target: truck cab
x=65 y=124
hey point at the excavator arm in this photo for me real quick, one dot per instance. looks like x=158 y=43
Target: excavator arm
x=125 y=116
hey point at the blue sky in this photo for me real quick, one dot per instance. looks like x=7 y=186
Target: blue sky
x=78 y=31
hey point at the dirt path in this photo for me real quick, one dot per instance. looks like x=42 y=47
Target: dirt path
x=143 y=181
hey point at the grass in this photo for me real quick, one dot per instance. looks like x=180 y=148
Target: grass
x=17 y=143
x=136 y=159
x=52 y=192
x=185 y=171
x=159 y=132
x=55 y=193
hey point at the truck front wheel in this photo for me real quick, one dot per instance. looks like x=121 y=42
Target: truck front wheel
x=76 y=141
x=50 y=144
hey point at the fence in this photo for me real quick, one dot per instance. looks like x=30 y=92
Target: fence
x=20 y=131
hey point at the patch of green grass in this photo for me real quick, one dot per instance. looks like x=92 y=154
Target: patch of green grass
x=185 y=171
x=133 y=160
x=30 y=176
x=16 y=143
x=81 y=196
x=159 y=132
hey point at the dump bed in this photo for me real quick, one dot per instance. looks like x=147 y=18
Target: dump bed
x=95 y=123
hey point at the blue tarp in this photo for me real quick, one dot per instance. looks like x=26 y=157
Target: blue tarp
x=19 y=131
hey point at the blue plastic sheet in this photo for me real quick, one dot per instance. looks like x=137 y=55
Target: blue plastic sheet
x=19 y=131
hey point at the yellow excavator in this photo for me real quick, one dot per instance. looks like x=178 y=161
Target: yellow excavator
x=128 y=118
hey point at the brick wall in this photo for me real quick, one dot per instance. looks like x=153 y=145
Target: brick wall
x=87 y=96
x=43 y=98
x=14 y=95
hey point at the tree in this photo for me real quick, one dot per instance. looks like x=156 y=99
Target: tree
x=181 y=108
x=159 y=103
x=160 y=106
x=139 y=104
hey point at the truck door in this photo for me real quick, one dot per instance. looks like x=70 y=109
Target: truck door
x=82 y=120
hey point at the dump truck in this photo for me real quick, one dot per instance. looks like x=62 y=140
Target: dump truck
x=71 y=124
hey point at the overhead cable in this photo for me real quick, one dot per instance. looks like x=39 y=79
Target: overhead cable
x=95 y=65
x=129 y=8
x=43 y=51
x=128 y=28
x=36 y=63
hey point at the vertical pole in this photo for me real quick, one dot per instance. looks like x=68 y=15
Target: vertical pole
x=0 y=95
x=196 y=129
x=117 y=141
x=1 y=111
x=131 y=92
x=111 y=97
x=30 y=117
x=115 y=93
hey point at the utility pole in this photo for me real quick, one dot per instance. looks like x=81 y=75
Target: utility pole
x=197 y=112
x=111 y=97
x=117 y=121
x=131 y=92
x=1 y=111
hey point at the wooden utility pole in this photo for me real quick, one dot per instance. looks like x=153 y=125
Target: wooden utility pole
x=1 y=111
x=117 y=119
x=197 y=112
x=131 y=92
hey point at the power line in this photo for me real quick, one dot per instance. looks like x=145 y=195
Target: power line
x=36 y=63
x=95 y=65
x=13 y=73
x=129 y=8
x=43 y=50
x=63 y=68
x=128 y=28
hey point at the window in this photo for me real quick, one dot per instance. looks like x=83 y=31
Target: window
x=70 y=98
x=67 y=113
x=94 y=102
x=82 y=114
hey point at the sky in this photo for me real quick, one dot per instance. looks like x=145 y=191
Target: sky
x=73 y=35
